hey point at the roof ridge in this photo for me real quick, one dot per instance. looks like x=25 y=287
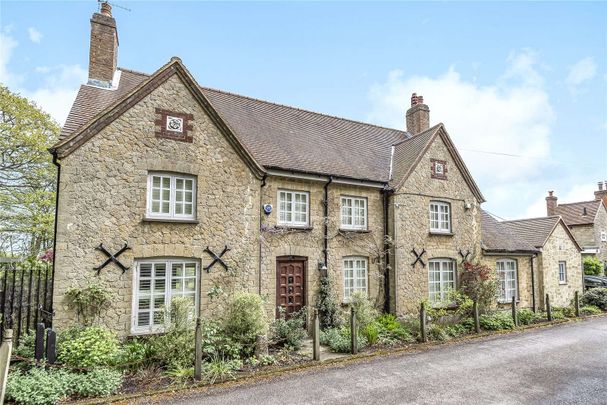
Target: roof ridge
x=302 y=109
x=432 y=128
x=531 y=219
x=579 y=202
x=133 y=71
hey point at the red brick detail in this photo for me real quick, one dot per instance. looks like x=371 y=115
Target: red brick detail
x=163 y=132
x=440 y=176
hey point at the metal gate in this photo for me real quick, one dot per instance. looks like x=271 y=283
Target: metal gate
x=25 y=296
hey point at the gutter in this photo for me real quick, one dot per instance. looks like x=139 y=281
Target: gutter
x=386 y=195
x=326 y=220
x=533 y=302
x=263 y=184
x=56 y=163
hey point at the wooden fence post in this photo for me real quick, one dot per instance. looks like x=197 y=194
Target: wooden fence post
x=316 y=337
x=39 y=345
x=51 y=346
x=477 y=322
x=514 y=314
x=548 y=308
x=576 y=301
x=353 y=331
x=422 y=322
x=198 y=350
x=5 y=360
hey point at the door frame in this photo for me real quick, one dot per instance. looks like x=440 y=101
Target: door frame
x=291 y=258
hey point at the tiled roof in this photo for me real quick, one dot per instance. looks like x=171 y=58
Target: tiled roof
x=533 y=231
x=497 y=237
x=573 y=214
x=407 y=151
x=278 y=136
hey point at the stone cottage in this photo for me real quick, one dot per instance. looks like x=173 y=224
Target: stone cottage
x=587 y=221
x=533 y=257
x=171 y=189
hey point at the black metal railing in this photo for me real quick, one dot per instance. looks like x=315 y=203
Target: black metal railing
x=25 y=296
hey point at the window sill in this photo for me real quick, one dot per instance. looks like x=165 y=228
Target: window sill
x=294 y=227
x=170 y=220
x=436 y=233
x=562 y=283
x=507 y=302
x=353 y=230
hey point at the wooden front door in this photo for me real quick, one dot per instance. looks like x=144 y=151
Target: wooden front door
x=290 y=284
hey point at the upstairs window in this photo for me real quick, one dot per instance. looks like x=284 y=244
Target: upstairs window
x=440 y=217
x=441 y=279
x=353 y=213
x=171 y=196
x=355 y=276
x=506 y=272
x=293 y=208
x=603 y=236
x=562 y=272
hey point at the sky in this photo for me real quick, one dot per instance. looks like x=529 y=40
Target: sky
x=521 y=87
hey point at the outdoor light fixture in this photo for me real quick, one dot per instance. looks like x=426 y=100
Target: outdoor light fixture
x=323 y=269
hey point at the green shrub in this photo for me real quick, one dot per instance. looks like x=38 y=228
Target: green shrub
x=596 y=297
x=480 y=284
x=39 y=386
x=557 y=313
x=391 y=331
x=133 y=354
x=88 y=347
x=174 y=349
x=88 y=302
x=593 y=266
x=218 y=369
x=215 y=342
x=590 y=310
x=246 y=320
x=371 y=332
x=364 y=309
x=328 y=309
x=526 y=316
x=289 y=332
x=497 y=321
x=567 y=312
x=27 y=345
x=339 y=339
x=438 y=332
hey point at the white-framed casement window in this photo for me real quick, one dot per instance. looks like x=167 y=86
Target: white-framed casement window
x=440 y=217
x=562 y=272
x=155 y=283
x=441 y=278
x=603 y=236
x=507 y=275
x=171 y=196
x=293 y=208
x=353 y=213
x=355 y=271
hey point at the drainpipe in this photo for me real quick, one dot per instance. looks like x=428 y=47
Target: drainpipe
x=325 y=250
x=386 y=195
x=533 y=283
x=56 y=163
x=263 y=184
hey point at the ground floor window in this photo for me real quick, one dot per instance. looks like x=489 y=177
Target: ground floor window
x=441 y=278
x=156 y=283
x=355 y=276
x=562 y=272
x=506 y=272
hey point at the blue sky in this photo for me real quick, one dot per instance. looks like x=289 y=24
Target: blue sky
x=521 y=87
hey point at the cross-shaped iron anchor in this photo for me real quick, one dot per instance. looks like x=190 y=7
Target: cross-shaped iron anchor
x=112 y=258
x=217 y=258
x=418 y=257
x=464 y=255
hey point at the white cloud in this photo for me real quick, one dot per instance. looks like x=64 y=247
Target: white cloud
x=513 y=116
x=579 y=192
x=35 y=35
x=580 y=72
x=58 y=87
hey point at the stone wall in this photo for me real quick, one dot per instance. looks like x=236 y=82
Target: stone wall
x=103 y=200
x=560 y=247
x=600 y=224
x=585 y=235
x=412 y=229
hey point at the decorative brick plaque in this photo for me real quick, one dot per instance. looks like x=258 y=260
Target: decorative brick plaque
x=173 y=125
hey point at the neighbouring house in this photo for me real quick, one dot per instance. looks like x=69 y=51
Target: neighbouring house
x=533 y=257
x=183 y=190
x=587 y=221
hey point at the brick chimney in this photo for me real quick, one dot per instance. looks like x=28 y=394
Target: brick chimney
x=601 y=193
x=551 y=204
x=418 y=116
x=104 y=47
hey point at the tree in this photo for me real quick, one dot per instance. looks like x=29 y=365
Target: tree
x=593 y=266
x=27 y=175
x=480 y=283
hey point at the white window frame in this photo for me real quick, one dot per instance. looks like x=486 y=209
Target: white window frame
x=505 y=276
x=603 y=236
x=441 y=285
x=172 y=215
x=348 y=219
x=168 y=294
x=355 y=275
x=563 y=273
x=292 y=212
x=440 y=220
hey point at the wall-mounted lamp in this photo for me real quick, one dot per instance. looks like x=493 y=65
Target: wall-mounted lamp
x=322 y=268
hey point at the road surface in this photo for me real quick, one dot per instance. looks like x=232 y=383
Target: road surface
x=565 y=364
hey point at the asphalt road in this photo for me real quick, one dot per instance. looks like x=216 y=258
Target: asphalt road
x=565 y=364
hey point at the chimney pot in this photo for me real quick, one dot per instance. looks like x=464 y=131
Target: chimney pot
x=600 y=186
x=106 y=9
x=418 y=116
